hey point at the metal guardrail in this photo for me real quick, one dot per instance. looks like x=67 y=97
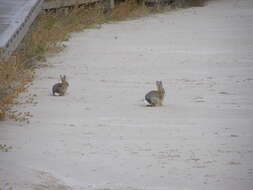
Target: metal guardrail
x=16 y=23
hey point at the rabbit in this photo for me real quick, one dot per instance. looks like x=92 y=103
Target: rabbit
x=61 y=87
x=155 y=97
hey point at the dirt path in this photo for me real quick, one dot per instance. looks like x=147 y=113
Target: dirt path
x=101 y=136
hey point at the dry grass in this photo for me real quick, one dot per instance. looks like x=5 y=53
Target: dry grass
x=128 y=9
x=45 y=37
x=51 y=28
x=14 y=79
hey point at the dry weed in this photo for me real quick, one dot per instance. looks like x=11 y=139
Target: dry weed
x=128 y=9
x=14 y=79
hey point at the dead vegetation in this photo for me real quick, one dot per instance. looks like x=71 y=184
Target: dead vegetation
x=14 y=79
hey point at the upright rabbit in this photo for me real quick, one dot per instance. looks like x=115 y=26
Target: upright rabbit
x=155 y=97
x=61 y=88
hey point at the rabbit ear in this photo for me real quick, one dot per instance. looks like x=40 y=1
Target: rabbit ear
x=158 y=84
x=161 y=84
x=63 y=78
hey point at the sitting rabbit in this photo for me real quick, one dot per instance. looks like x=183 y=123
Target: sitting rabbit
x=61 y=88
x=155 y=97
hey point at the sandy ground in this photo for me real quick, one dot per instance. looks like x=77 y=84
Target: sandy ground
x=101 y=136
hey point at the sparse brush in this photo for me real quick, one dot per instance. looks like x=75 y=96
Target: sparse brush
x=14 y=78
x=128 y=9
